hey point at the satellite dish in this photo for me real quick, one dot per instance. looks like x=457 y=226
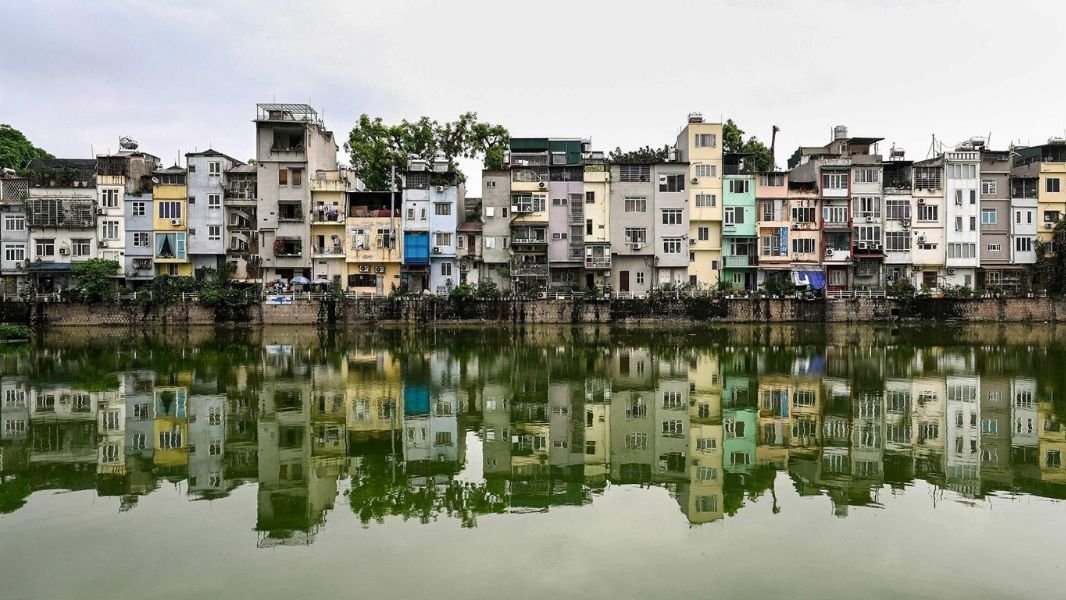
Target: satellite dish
x=127 y=143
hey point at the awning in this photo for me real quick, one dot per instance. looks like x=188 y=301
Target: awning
x=49 y=267
x=814 y=278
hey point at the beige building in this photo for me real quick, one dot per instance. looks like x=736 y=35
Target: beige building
x=700 y=145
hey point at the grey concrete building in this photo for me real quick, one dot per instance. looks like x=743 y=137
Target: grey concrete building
x=994 y=247
x=206 y=181
x=649 y=226
x=14 y=233
x=137 y=262
x=496 y=227
x=292 y=143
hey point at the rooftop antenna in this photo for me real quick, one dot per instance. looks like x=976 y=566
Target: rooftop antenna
x=932 y=148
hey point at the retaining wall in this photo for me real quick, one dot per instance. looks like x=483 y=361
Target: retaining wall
x=657 y=310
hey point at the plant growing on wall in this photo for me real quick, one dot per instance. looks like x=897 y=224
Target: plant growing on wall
x=644 y=155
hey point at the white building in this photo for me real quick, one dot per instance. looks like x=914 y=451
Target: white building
x=962 y=186
x=927 y=225
x=205 y=180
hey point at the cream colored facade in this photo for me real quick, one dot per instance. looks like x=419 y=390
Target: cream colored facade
x=598 y=224
x=700 y=145
x=1051 y=198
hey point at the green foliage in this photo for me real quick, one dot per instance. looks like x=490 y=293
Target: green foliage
x=95 y=278
x=733 y=141
x=376 y=146
x=902 y=288
x=16 y=150
x=1049 y=272
x=779 y=286
x=14 y=332
x=644 y=155
x=487 y=289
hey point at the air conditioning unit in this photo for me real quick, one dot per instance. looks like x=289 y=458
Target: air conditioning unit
x=695 y=180
x=637 y=246
x=440 y=188
x=101 y=244
x=364 y=268
x=1048 y=225
x=514 y=208
x=379 y=269
x=921 y=239
x=869 y=219
x=905 y=222
x=691 y=242
x=64 y=251
x=951 y=271
x=101 y=211
x=18 y=265
x=862 y=245
x=921 y=201
x=829 y=252
x=436 y=249
x=875 y=246
x=175 y=222
x=542 y=185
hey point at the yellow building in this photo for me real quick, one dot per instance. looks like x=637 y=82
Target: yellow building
x=704 y=501
x=1052 y=444
x=328 y=214
x=700 y=145
x=170 y=427
x=597 y=213
x=373 y=254
x=1046 y=165
x=170 y=224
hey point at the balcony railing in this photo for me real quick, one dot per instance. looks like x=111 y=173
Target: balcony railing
x=328 y=185
x=328 y=250
x=291 y=218
x=536 y=270
x=597 y=262
x=741 y=261
x=326 y=217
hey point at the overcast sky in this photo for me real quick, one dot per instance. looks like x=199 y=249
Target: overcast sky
x=180 y=76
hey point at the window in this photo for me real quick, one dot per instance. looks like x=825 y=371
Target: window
x=989 y=426
x=673 y=428
x=588 y=226
x=928 y=212
x=140 y=239
x=14 y=252
x=835 y=181
x=559 y=202
x=446 y=269
x=733 y=215
x=706 y=200
x=962 y=250
x=14 y=223
x=636 y=204
x=803 y=214
x=1051 y=216
x=214 y=168
x=973 y=223
x=636 y=235
x=45 y=247
x=868 y=206
x=703 y=233
x=442 y=209
x=802 y=246
x=897 y=241
x=170 y=210
x=214 y=201
x=214 y=416
x=989 y=216
x=988 y=187
x=138 y=209
x=636 y=441
x=81 y=247
x=384 y=238
x=739 y=186
x=896 y=210
x=442 y=239
x=634 y=173
x=835 y=214
x=1053 y=458
x=297 y=177
x=1023 y=244
x=214 y=232
x=672 y=400
x=640 y=277
x=109 y=230
x=867 y=175
x=674 y=182
x=706 y=140
x=490 y=184
x=868 y=234
x=958 y=171
x=672 y=216
x=927 y=178
x=772 y=179
x=283 y=177
x=1051 y=185
x=672 y=245
x=702 y=170
x=559 y=236
x=109 y=198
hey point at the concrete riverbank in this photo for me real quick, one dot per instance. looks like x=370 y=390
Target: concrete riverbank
x=430 y=310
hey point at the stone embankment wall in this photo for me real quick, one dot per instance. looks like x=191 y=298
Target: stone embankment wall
x=433 y=310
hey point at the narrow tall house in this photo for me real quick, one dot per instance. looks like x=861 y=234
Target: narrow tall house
x=928 y=238
x=699 y=145
x=994 y=248
x=597 y=214
x=240 y=203
x=899 y=216
x=373 y=256
x=1047 y=165
x=1025 y=221
x=170 y=225
x=292 y=142
x=206 y=182
x=14 y=233
x=124 y=173
x=962 y=168
x=61 y=218
x=431 y=197
x=496 y=227
x=327 y=217
x=774 y=226
x=740 y=259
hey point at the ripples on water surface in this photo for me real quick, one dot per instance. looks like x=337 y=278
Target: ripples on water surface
x=595 y=462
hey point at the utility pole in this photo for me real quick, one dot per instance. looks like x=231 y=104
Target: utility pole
x=773 y=143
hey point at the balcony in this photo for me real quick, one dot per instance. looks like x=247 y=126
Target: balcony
x=329 y=185
x=597 y=262
x=529 y=270
x=833 y=255
x=240 y=243
x=327 y=215
x=334 y=251
x=740 y=262
x=867 y=249
x=240 y=193
x=290 y=213
x=288 y=247
x=846 y=224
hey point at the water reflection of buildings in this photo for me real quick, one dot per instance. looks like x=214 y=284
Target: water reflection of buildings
x=556 y=426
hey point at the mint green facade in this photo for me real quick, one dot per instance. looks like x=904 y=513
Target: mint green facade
x=739 y=232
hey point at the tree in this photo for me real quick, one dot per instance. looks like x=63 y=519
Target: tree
x=95 y=278
x=16 y=150
x=645 y=155
x=733 y=141
x=376 y=147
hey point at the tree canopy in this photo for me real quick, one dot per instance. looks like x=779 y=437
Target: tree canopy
x=733 y=141
x=16 y=150
x=376 y=146
x=643 y=155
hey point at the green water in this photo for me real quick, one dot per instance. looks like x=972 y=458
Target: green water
x=590 y=462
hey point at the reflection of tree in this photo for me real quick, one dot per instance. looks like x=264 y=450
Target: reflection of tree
x=378 y=492
x=13 y=494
